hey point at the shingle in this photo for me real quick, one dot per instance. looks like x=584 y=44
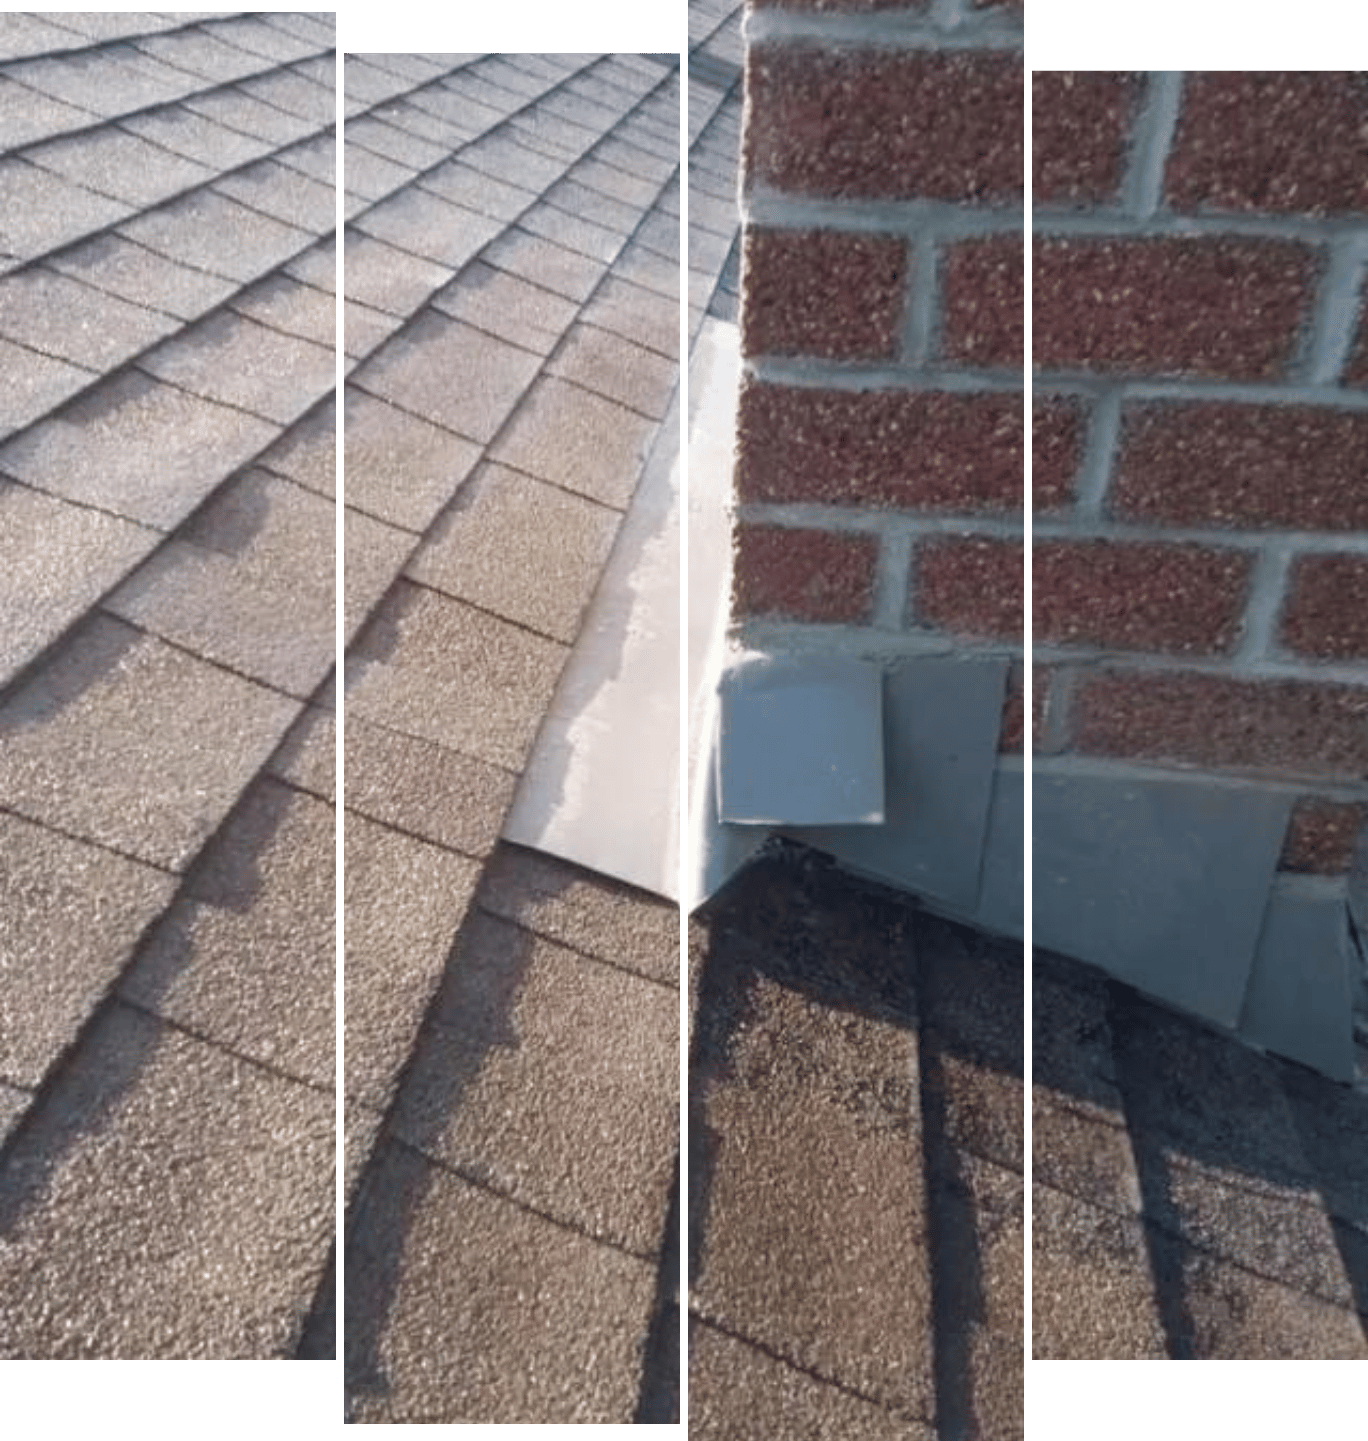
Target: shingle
x=28 y=115
x=496 y=301
x=293 y=93
x=306 y=453
x=405 y=901
x=467 y=1257
x=199 y=52
x=72 y=915
x=375 y=553
x=577 y=440
x=436 y=794
x=288 y=304
x=315 y=157
x=136 y=447
x=56 y=561
x=519 y=548
x=545 y=264
x=372 y=133
x=97 y=80
x=365 y=330
x=35 y=384
x=120 y=165
x=640 y=315
x=363 y=81
x=238 y=110
x=75 y=322
x=246 y=956
x=466 y=118
x=137 y=274
x=247 y=583
x=22 y=34
x=40 y=211
x=575 y=199
x=114 y=24
x=432 y=667
x=473 y=87
x=319 y=27
x=370 y=175
x=550 y=136
x=498 y=71
x=238 y=362
x=282 y=192
x=317 y=266
x=389 y=279
x=426 y=225
x=217 y=234
x=262 y=38
x=453 y=375
x=590 y=1144
x=476 y=191
x=108 y=742
x=581 y=111
x=198 y=138
x=630 y=189
x=413 y=68
x=186 y=1209
x=572 y=232
x=651 y=271
x=14 y=1102
x=499 y=156
x=617 y=369
x=400 y=467
x=306 y=758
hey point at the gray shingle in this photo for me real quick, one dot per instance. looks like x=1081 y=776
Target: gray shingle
x=371 y=132
x=40 y=211
x=365 y=330
x=577 y=440
x=121 y=166
x=519 y=548
x=450 y=374
x=136 y=447
x=405 y=901
x=282 y=192
x=199 y=52
x=399 y=467
x=413 y=68
x=238 y=110
x=503 y=158
x=99 y=80
x=375 y=553
x=28 y=115
x=433 y=667
x=248 y=584
x=306 y=453
x=426 y=225
x=504 y=305
x=72 y=915
x=236 y=361
x=134 y=273
x=544 y=263
x=651 y=320
x=476 y=191
x=317 y=266
x=291 y=92
x=156 y=1145
x=56 y=561
x=389 y=279
x=617 y=369
x=364 y=81
x=198 y=138
x=370 y=175
x=284 y=303
x=572 y=232
x=246 y=956
x=109 y=741
x=315 y=157
x=35 y=384
x=217 y=234
x=22 y=34
x=575 y=199
x=260 y=37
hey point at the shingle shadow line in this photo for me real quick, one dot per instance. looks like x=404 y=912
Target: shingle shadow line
x=107 y=847
x=658 y=1390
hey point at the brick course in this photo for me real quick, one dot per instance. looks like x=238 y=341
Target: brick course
x=984 y=297
x=804 y=575
x=1080 y=124
x=969 y=587
x=1327 y=607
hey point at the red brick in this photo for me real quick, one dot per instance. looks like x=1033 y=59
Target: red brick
x=1286 y=727
x=1011 y=737
x=970 y=587
x=1056 y=452
x=808 y=575
x=896 y=449
x=984 y=288
x=1326 y=613
x=1211 y=307
x=1243 y=466
x=1150 y=597
x=941 y=125
x=1271 y=141
x=1321 y=836
x=1080 y=124
x=823 y=293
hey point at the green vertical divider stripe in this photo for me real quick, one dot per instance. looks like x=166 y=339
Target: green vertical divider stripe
x=1246 y=1399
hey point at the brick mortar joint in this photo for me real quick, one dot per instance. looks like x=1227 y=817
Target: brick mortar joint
x=1230 y=666
x=942 y=28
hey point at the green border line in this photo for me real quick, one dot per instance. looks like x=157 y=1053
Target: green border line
x=1068 y=1401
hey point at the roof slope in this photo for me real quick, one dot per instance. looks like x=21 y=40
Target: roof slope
x=166 y=472
x=512 y=1037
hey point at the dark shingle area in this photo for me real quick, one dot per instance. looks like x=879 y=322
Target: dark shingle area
x=167 y=613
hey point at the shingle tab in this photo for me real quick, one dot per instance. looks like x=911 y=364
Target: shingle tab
x=108 y=743
x=282 y=192
x=40 y=211
x=217 y=234
x=136 y=447
x=38 y=384
x=389 y=279
x=88 y=327
x=197 y=137
x=504 y=305
x=134 y=273
x=119 y=165
x=28 y=115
